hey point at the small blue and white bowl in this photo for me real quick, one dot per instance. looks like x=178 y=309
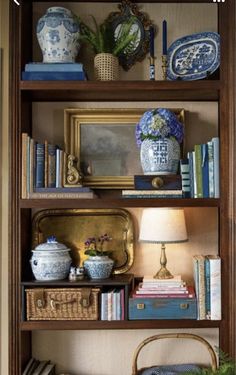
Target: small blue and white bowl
x=98 y=267
x=50 y=261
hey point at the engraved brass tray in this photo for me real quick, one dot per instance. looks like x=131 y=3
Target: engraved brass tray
x=73 y=226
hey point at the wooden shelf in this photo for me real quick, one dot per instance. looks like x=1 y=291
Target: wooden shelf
x=119 y=202
x=122 y=279
x=124 y=324
x=205 y=90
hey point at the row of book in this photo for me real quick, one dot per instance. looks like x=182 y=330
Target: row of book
x=43 y=172
x=163 y=288
x=39 y=71
x=36 y=367
x=200 y=171
x=207 y=278
x=112 y=304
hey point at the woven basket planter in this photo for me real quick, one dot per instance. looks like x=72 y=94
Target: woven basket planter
x=106 y=67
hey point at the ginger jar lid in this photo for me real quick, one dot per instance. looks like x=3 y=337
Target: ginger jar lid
x=51 y=245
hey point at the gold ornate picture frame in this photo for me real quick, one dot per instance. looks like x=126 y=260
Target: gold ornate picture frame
x=104 y=144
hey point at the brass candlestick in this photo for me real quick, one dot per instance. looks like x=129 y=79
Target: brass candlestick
x=152 y=68
x=164 y=66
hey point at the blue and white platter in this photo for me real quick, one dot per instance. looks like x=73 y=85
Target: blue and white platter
x=194 y=56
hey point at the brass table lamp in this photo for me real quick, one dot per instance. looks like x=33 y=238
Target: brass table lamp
x=163 y=225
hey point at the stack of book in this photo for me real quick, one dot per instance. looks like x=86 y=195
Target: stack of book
x=163 y=288
x=167 y=186
x=35 y=367
x=37 y=71
x=112 y=305
x=207 y=277
x=43 y=172
x=200 y=171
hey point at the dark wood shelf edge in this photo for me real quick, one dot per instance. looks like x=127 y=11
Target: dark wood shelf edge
x=125 y=324
x=111 y=203
x=201 y=90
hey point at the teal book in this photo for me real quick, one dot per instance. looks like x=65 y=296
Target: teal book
x=208 y=288
x=54 y=76
x=216 y=166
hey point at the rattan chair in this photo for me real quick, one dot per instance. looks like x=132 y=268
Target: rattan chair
x=135 y=370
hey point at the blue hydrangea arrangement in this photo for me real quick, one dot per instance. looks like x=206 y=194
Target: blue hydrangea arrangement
x=157 y=124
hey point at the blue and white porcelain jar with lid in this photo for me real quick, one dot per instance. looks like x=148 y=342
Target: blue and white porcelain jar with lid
x=50 y=261
x=58 y=35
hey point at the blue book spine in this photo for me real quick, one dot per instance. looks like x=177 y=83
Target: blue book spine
x=208 y=290
x=53 y=67
x=40 y=165
x=205 y=171
x=191 y=174
x=184 y=170
x=53 y=76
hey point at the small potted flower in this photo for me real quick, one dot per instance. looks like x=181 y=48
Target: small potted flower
x=159 y=133
x=98 y=265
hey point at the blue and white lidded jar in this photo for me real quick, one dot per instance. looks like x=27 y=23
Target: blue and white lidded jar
x=58 y=35
x=50 y=261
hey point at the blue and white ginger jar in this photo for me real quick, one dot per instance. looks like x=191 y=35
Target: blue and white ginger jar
x=58 y=35
x=160 y=157
x=98 y=267
x=50 y=261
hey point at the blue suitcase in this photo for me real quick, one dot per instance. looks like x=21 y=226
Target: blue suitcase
x=162 y=308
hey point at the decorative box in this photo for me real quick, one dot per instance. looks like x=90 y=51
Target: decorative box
x=62 y=304
x=163 y=182
x=162 y=308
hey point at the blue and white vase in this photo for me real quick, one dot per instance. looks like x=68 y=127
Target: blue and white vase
x=160 y=157
x=98 y=267
x=50 y=261
x=58 y=32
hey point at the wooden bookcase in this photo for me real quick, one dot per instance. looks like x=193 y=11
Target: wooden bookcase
x=23 y=94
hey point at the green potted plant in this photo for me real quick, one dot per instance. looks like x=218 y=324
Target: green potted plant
x=107 y=46
x=227 y=366
x=98 y=265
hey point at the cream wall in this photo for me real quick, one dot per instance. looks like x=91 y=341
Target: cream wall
x=4 y=162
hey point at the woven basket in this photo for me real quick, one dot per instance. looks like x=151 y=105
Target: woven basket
x=106 y=67
x=62 y=304
x=135 y=370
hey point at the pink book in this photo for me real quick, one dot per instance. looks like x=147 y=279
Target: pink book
x=189 y=294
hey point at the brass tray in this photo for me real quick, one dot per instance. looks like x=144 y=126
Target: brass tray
x=73 y=226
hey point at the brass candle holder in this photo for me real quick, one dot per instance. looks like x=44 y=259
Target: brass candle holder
x=152 y=68
x=164 y=67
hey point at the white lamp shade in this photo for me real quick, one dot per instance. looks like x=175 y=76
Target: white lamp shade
x=163 y=225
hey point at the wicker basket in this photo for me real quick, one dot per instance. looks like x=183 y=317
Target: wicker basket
x=62 y=304
x=106 y=67
x=135 y=370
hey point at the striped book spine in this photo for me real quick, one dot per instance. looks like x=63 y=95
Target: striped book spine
x=184 y=171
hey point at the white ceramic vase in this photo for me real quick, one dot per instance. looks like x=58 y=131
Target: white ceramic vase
x=58 y=32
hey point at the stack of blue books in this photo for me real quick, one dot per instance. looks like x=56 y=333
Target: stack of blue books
x=37 y=71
